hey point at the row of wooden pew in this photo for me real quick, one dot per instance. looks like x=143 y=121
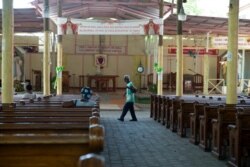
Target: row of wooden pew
x=208 y=122
x=45 y=134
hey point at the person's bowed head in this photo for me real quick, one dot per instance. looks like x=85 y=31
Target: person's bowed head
x=29 y=93
x=86 y=93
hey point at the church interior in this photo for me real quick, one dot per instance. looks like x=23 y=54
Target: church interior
x=63 y=64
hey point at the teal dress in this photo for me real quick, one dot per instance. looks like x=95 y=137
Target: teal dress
x=129 y=105
x=130 y=97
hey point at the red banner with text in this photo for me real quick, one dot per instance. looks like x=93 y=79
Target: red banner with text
x=191 y=50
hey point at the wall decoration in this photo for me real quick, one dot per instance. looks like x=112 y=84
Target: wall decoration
x=69 y=27
x=151 y=28
x=101 y=60
x=107 y=27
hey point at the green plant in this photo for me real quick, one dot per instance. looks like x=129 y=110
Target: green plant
x=18 y=86
x=152 y=88
x=53 y=84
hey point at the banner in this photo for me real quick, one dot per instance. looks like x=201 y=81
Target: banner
x=221 y=42
x=201 y=51
x=109 y=27
x=90 y=49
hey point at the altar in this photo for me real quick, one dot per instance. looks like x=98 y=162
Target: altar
x=102 y=82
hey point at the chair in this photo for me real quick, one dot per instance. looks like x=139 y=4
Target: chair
x=150 y=79
x=38 y=79
x=65 y=81
x=172 y=80
x=187 y=83
x=166 y=81
x=102 y=84
x=197 y=83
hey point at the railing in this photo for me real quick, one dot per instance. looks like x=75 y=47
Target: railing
x=216 y=84
x=245 y=85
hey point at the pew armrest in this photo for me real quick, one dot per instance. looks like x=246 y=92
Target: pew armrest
x=94 y=120
x=202 y=117
x=96 y=137
x=231 y=127
x=214 y=121
x=91 y=159
x=192 y=114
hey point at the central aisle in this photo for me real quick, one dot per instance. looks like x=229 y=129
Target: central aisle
x=147 y=143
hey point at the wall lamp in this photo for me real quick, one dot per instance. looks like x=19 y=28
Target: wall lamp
x=182 y=15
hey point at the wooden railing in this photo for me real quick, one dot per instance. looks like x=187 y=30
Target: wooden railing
x=215 y=83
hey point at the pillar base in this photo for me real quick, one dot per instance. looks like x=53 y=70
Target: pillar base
x=8 y=106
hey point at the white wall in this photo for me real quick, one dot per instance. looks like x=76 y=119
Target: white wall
x=118 y=64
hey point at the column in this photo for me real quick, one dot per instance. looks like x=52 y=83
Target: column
x=46 y=52
x=179 y=56
x=206 y=68
x=7 y=52
x=59 y=53
x=160 y=55
x=232 y=54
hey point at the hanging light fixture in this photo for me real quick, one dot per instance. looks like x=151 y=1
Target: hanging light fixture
x=182 y=15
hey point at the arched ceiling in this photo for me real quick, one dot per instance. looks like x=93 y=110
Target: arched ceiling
x=119 y=9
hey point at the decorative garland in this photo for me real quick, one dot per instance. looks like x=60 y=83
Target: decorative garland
x=157 y=68
x=192 y=54
x=59 y=70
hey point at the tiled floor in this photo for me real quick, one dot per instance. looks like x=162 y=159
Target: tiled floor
x=147 y=143
x=114 y=101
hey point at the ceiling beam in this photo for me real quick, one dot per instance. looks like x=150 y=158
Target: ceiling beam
x=246 y=6
x=138 y=13
x=106 y=3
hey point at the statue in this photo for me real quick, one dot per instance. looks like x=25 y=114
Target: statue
x=18 y=67
x=224 y=71
x=224 y=68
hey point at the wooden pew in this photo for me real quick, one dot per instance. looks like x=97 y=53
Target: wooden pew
x=44 y=108
x=186 y=107
x=155 y=106
x=239 y=137
x=175 y=106
x=51 y=133
x=52 y=97
x=167 y=104
x=199 y=110
x=220 y=134
x=53 y=100
x=53 y=149
x=195 y=123
x=31 y=118
x=210 y=112
x=152 y=104
x=159 y=108
x=68 y=104
x=163 y=110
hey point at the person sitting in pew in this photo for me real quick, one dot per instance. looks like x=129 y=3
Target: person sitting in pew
x=29 y=93
x=85 y=101
x=86 y=93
